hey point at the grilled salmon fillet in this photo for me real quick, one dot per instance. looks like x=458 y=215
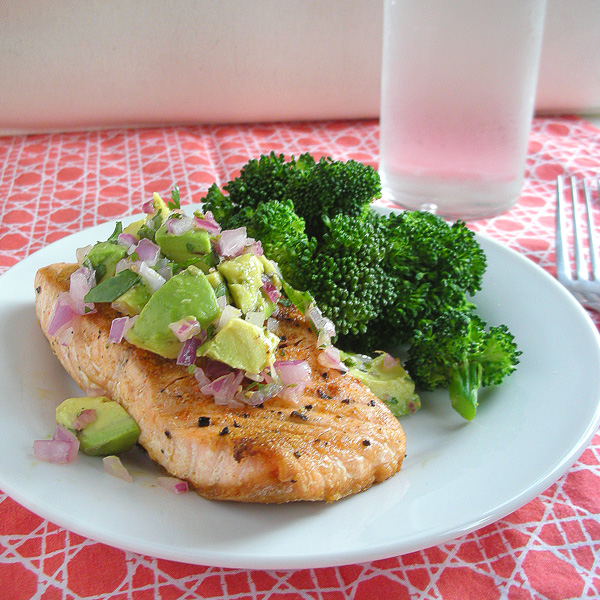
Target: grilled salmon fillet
x=338 y=440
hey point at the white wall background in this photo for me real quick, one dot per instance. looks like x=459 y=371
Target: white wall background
x=69 y=64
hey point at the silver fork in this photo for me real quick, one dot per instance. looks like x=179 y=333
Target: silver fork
x=584 y=284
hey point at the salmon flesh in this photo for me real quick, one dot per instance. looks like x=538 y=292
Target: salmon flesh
x=337 y=440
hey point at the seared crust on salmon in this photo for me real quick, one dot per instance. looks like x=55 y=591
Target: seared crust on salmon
x=338 y=440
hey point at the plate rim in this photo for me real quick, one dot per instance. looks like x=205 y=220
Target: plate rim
x=375 y=551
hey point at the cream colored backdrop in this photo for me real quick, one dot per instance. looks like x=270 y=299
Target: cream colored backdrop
x=72 y=64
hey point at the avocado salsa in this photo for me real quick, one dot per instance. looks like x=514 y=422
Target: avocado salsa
x=204 y=297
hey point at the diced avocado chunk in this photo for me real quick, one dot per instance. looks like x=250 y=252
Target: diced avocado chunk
x=108 y=255
x=160 y=206
x=187 y=294
x=242 y=345
x=134 y=227
x=186 y=248
x=112 y=432
x=218 y=284
x=391 y=384
x=245 y=269
x=133 y=300
x=244 y=279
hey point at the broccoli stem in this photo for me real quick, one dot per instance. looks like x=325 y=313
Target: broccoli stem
x=464 y=383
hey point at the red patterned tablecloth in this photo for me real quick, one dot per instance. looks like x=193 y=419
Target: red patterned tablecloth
x=52 y=185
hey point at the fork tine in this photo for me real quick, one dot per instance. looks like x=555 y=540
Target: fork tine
x=562 y=257
x=580 y=265
x=591 y=232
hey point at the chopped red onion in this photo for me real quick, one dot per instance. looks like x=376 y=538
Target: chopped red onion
x=54 y=451
x=224 y=389
x=187 y=354
x=389 y=362
x=147 y=251
x=62 y=315
x=232 y=242
x=215 y=368
x=222 y=301
x=85 y=417
x=229 y=312
x=148 y=207
x=185 y=328
x=330 y=359
x=127 y=240
x=293 y=375
x=272 y=325
x=81 y=254
x=119 y=327
x=201 y=377
x=253 y=247
x=264 y=393
x=124 y=263
x=208 y=223
x=129 y=325
x=324 y=326
x=63 y=434
x=151 y=277
x=179 y=225
x=177 y=486
x=80 y=283
x=113 y=466
x=61 y=449
x=269 y=289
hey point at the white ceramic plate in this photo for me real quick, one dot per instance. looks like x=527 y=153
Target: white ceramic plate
x=456 y=478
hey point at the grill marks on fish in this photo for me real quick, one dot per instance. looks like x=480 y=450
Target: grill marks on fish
x=338 y=440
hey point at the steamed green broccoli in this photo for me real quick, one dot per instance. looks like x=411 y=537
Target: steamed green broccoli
x=434 y=265
x=457 y=352
x=332 y=188
x=384 y=280
x=346 y=274
x=318 y=189
x=281 y=233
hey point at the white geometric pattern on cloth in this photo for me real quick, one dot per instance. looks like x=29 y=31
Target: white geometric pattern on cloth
x=53 y=185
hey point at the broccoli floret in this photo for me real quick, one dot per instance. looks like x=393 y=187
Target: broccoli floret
x=405 y=278
x=281 y=232
x=332 y=188
x=268 y=178
x=457 y=352
x=435 y=266
x=345 y=274
x=318 y=190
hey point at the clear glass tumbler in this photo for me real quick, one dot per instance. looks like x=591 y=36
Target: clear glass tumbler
x=457 y=99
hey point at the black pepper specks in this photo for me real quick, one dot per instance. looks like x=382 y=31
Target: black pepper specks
x=38 y=289
x=224 y=431
x=308 y=407
x=372 y=403
x=325 y=375
x=295 y=413
x=346 y=401
x=323 y=395
x=168 y=434
x=366 y=443
x=203 y=421
x=297 y=454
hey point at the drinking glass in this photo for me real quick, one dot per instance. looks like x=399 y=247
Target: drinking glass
x=457 y=99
